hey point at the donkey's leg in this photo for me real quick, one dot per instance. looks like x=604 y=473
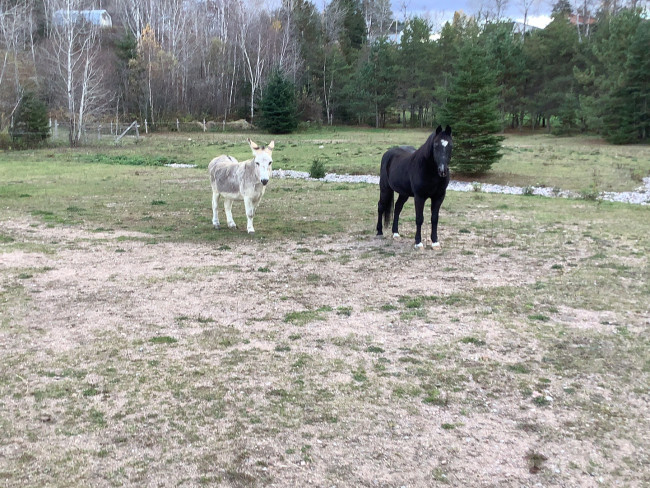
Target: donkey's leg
x=249 y=204
x=419 y=220
x=215 y=209
x=227 y=205
x=399 y=204
x=435 y=210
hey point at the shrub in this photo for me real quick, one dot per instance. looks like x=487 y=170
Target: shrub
x=317 y=169
x=30 y=125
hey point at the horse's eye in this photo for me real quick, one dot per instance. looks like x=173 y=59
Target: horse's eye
x=257 y=163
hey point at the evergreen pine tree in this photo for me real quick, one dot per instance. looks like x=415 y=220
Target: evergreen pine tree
x=31 y=124
x=627 y=119
x=278 y=105
x=472 y=112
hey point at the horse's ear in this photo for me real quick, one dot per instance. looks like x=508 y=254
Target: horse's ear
x=448 y=130
x=253 y=146
x=439 y=130
x=271 y=145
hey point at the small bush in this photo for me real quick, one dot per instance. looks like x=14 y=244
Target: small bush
x=592 y=193
x=317 y=169
x=31 y=125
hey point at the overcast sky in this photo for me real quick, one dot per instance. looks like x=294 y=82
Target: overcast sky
x=440 y=11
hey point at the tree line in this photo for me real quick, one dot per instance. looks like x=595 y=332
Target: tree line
x=347 y=62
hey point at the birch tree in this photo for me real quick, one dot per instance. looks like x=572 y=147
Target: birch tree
x=252 y=47
x=74 y=51
x=16 y=42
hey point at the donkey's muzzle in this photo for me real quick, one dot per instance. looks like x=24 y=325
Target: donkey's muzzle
x=264 y=182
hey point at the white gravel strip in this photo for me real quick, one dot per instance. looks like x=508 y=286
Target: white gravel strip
x=180 y=165
x=639 y=197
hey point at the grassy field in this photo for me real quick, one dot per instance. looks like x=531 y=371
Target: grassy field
x=576 y=163
x=141 y=347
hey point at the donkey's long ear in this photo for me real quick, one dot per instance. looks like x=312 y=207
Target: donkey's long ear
x=271 y=146
x=448 y=130
x=439 y=130
x=253 y=146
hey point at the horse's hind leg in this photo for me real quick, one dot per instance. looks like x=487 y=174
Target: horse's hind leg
x=227 y=206
x=215 y=209
x=399 y=204
x=384 y=209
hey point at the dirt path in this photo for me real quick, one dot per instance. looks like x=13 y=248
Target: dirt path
x=327 y=362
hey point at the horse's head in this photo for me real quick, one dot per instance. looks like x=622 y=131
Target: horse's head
x=263 y=160
x=442 y=145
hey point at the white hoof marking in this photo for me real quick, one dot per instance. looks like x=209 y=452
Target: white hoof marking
x=396 y=235
x=435 y=245
x=419 y=246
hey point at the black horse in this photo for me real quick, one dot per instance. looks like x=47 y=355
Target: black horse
x=421 y=174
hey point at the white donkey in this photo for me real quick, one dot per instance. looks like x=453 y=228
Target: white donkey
x=240 y=181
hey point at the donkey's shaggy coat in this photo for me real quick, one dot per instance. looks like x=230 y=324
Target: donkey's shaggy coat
x=240 y=181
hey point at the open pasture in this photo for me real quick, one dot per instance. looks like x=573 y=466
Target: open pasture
x=141 y=347
x=580 y=164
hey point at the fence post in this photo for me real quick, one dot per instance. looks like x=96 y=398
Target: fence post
x=99 y=132
x=146 y=127
x=178 y=129
x=56 y=129
x=137 y=132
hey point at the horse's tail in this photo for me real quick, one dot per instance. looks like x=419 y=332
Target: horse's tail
x=387 y=195
x=388 y=212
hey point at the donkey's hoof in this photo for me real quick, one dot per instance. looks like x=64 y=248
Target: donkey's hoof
x=251 y=232
x=419 y=246
x=396 y=235
x=379 y=236
x=232 y=226
x=435 y=245
x=217 y=226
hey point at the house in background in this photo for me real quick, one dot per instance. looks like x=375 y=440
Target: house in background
x=99 y=18
x=581 y=19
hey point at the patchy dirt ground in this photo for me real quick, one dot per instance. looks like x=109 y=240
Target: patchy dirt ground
x=326 y=362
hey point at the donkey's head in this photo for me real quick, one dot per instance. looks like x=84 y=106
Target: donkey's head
x=442 y=145
x=263 y=160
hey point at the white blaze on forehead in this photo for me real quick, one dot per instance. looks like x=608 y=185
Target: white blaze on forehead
x=444 y=143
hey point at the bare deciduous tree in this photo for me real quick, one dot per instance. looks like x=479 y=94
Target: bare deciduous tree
x=73 y=52
x=525 y=7
x=252 y=47
x=16 y=41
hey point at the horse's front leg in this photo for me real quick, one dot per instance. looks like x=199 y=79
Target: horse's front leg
x=250 y=204
x=227 y=206
x=419 y=220
x=399 y=204
x=435 y=210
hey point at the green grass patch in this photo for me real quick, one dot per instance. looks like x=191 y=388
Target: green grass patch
x=304 y=317
x=163 y=340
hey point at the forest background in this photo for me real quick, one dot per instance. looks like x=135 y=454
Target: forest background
x=349 y=62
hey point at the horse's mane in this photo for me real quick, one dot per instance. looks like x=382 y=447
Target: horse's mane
x=425 y=152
